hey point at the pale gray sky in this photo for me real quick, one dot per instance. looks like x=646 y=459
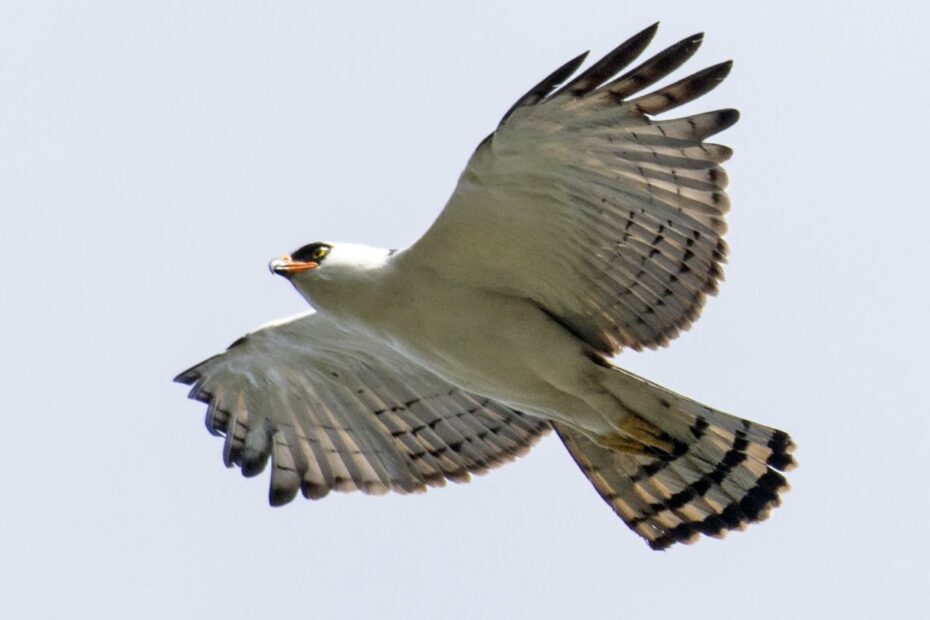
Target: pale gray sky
x=155 y=155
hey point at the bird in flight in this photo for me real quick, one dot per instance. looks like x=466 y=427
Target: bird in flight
x=583 y=225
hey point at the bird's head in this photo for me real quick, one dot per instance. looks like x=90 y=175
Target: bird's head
x=328 y=274
x=305 y=260
x=323 y=261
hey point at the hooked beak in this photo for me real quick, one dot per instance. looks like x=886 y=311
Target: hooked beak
x=286 y=266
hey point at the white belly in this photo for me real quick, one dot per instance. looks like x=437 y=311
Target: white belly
x=501 y=347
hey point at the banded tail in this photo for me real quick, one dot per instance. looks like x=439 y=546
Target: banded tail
x=677 y=468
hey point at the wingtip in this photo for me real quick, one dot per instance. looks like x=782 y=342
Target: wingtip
x=193 y=374
x=644 y=36
x=728 y=118
x=187 y=377
x=567 y=69
x=578 y=60
x=717 y=73
x=276 y=500
x=692 y=43
x=546 y=86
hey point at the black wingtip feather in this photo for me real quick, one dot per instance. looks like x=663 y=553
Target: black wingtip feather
x=281 y=496
x=314 y=491
x=546 y=86
x=683 y=91
x=727 y=118
x=253 y=466
x=187 y=377
x=716 y=72
x=655 y=68
x=613 y=62
x=193 y=374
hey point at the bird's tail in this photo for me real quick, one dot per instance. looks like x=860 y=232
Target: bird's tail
x=675 y=468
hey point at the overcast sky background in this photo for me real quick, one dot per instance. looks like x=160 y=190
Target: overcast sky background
x=155 y=155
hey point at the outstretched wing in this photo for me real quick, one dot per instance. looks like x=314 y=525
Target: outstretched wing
x=335 y=410
x=611 y=221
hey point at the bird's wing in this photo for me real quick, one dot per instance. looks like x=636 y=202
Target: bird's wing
x=334 y=409
x=608 y=219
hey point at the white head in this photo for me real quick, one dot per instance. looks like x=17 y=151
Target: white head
x=318 y=266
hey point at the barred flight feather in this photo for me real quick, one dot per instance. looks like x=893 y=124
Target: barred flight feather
x=637 y=203
x=380 y=424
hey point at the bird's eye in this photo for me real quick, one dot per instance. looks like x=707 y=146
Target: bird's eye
x=311 y=252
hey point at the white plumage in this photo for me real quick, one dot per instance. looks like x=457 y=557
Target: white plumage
x=579 y=227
